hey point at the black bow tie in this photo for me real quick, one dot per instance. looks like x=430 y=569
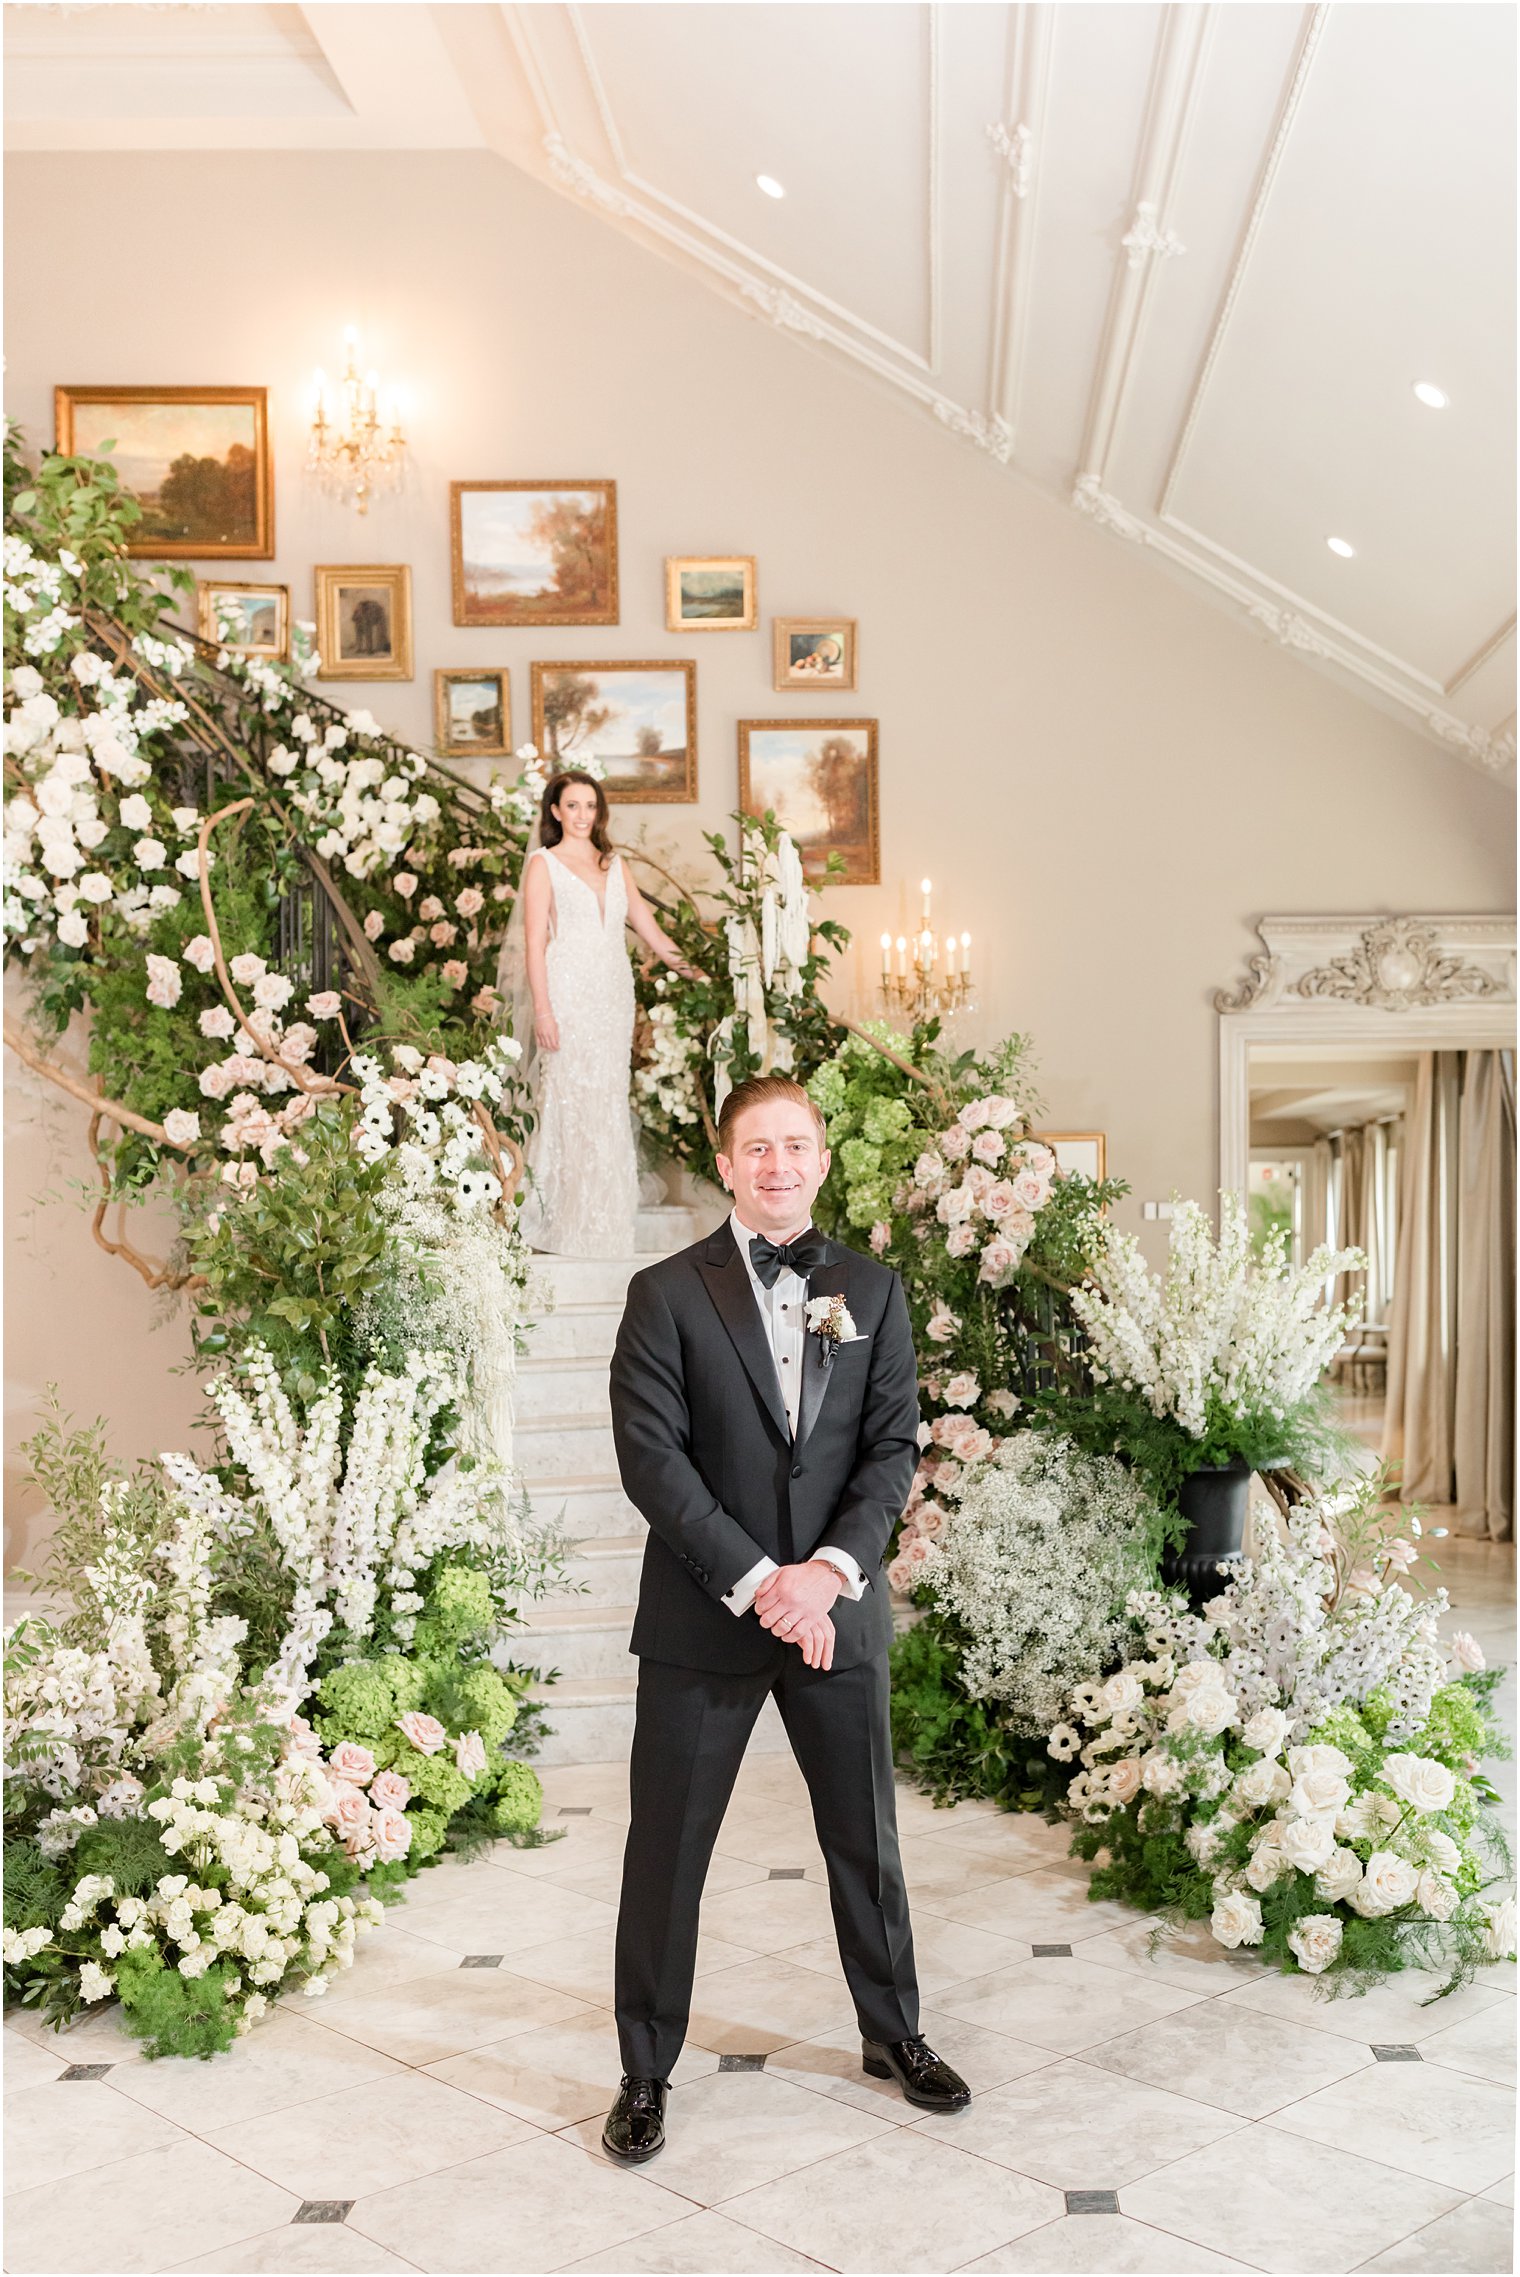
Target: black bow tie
x=802 y=1255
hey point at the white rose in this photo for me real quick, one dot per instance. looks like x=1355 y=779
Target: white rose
x=1499 y=1936
x=1338 y=1876
x=1236 y=1919
x=1316 y=1939
x=1387 y=1883
x=1416 y=1780
x=1302 y=1759
x=149 y=853
x=1122 y=1781
x=1442 y=1852
x=1467 y=1652
x=1306 y=1843
x=1198 y=1675
x=94 y=887
x=181 y=1127
x=1261 y=1784
x=1319 y=1794
x=1160 y=1773
x=1212 y=1712
x=1436 y=1896
x=1266 y=1867
x=1122 y=1692
x=1364 y=1819
x=1266 y=1731
x=73 y=932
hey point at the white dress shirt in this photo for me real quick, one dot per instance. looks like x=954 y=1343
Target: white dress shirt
x=783 y=1310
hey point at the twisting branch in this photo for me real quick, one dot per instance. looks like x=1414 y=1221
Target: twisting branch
x=934 y=1090
x=81 y=1088
x=506 y=1158
x=156 y=1276
x=304 y=1079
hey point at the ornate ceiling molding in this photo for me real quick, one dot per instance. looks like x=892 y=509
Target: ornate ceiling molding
x=1016 y=148
x=1145 y=235
x=994 y=436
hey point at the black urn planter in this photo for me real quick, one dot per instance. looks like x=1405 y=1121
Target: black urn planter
x=1213 y=1505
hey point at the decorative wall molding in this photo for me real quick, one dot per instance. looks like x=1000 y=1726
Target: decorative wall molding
x=783 y=309
x=1390 y=964
x=1015 y=147
x=1146 y=235
x=575 y=175
x=1099 y=505
x=994 y=436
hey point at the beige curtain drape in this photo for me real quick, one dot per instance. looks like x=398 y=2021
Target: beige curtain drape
x=1450 y=1415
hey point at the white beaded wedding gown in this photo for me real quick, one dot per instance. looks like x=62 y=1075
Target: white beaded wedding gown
x=585 y=1180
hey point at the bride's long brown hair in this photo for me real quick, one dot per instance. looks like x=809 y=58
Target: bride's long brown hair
x=551 y=830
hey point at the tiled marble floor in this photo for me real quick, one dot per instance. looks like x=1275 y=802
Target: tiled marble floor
x=439 y=2109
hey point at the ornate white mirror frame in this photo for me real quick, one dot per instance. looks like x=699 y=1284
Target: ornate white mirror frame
x=1361 y=983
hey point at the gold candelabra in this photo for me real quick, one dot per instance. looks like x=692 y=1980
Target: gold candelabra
x=927 y=978
x=355 y=448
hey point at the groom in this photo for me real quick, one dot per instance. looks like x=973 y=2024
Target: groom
x=769 y=1439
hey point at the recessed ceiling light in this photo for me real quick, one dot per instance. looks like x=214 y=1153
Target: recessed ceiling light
x=769 y=184
x=1435 y=397
x=1339 y=545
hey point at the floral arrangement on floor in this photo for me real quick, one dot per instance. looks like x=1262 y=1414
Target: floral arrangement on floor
x=1220 y=1360
x=1297 y=1764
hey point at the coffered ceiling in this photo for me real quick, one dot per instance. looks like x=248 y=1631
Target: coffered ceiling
x=1181 y=265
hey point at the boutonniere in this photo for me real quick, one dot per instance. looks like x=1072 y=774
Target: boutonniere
x=828 y=1319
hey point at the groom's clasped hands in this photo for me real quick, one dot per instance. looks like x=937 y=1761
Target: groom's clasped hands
x=794 y=1603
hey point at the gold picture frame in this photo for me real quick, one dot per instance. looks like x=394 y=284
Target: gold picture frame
x=208 y=447
x=800 y=653
x=568 y=732
x=786 y=765
x=266 y=618
x=711 y=592
x=1086 y=1152
x=500 y=533
x=364 y=620
x=462 y=729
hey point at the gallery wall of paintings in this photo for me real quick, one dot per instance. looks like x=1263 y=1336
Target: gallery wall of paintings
x=528 y=556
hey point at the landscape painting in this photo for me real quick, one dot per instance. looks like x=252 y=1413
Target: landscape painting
x=535 y=553
x=472 y=713
x=638 y=720
x=195 y=459
x=711 y=593
x=251 y=620
x=818 y=777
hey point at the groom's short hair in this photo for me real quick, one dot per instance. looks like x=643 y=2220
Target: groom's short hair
x=758 y=1091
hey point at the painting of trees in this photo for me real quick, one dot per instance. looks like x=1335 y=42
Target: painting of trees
x=572 y=530
x=573 y=714
x=215 y=500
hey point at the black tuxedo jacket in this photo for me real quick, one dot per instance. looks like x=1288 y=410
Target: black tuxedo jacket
x=706 y=1452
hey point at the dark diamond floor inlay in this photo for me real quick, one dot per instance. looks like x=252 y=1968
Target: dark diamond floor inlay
x=741 y=2063
x=1396 y=2052
x=482 y=1960
x=323 y=2210
x=575 y=1810
x=1092 y=2201
x=85 y=2071
x=1051 y=1952
x=787 y=1873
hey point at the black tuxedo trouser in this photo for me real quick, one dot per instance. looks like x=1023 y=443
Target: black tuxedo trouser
x=690 y=1733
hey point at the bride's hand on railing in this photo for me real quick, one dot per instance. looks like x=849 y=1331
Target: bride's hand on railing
x=546 y=1031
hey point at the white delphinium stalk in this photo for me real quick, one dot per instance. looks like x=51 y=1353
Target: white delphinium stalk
x=1223 y=1330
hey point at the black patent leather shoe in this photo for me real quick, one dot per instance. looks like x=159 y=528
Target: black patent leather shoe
x=925 y=2078
x=635 y=2128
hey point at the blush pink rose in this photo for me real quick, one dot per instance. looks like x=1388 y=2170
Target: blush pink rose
x=1031 y=1189
x=352 y=1763
x=955 y=1143
x=942 y=1323
x=349 y=1814
x=325 y=1005
x=973 y=1115
x=915 y=1551
x=1000 y=1198
x=469 y=1755
x=1122 y=1781
x=391 y=1834
x=881 y=1236
x=389 y=1791
x=900 y=1574
x=456 y=973
x=998 y=1257
x=960 y=1240
x=987 y=1147
x=425 y=1733
x=1000 y=1111
x=930 y=1521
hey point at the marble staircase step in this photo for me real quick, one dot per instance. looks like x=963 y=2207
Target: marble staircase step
x=603 y=1570
x=561 y=1386
x=584 y=1506
x=589 y=1280
x=553 y=1447
x=573 y=1331
x=579 y=1639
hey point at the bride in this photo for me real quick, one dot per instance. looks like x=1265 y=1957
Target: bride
x=575 y=898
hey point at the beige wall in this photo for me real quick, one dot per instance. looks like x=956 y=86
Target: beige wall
x=1106 y=775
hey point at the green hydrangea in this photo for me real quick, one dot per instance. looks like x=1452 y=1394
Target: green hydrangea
x=1456 y=1730
x=362 y=1699
x=885 y=1119
x=859 y=1160
x=519 y=1799
x=434 y=1778
x=863 y=1205
x=476 y=1698
x=458 y=1606
x=1345 y=1729
x=428 y=1830
x=828 y=1087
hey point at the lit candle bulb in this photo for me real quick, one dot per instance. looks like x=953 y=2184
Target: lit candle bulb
x=949 y=956
x=966 y=954
x=924 y=889
x=886 y=956
x=902 y=957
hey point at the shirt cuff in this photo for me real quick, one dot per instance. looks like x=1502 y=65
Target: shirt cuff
x=745 y=1590
x=843 y=1564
